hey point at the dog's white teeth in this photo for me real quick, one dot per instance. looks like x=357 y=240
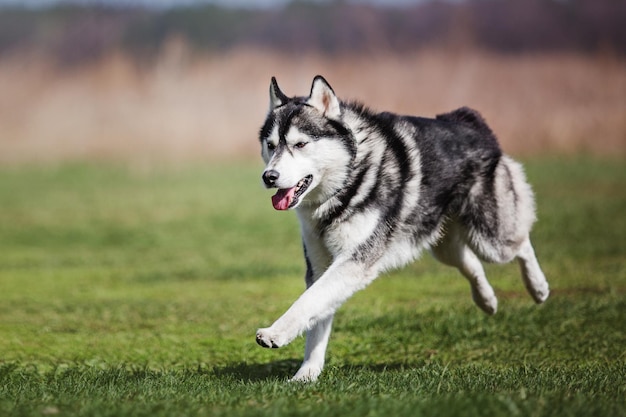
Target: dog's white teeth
x=302 y=185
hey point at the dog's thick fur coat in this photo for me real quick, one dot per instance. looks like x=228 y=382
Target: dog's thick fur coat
x=372 y=190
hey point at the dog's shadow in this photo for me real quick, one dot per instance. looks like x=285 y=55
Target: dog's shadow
x=284 y=369
x=279 y=370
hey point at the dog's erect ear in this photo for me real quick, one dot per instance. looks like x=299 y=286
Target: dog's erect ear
x=323 y=98
x=277 y=98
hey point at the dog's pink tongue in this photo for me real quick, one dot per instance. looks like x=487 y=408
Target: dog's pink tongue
x=282 y=198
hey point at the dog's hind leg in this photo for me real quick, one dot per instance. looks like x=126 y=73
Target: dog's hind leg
x=452 y=250
x=534 y=279
x=499 y=228
x=315 y=351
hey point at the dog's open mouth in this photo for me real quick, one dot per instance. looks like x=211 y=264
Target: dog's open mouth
x=287 y=198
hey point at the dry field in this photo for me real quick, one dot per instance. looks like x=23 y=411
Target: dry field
x=184 y=107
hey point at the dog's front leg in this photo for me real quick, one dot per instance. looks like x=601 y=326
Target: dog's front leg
x=318 y=303
x=314 y=351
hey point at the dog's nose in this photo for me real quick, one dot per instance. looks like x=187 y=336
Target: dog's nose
x=270 y=176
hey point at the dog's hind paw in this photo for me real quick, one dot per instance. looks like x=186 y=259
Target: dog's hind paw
x=486 y=300
x=540 y=292
x=264 y=338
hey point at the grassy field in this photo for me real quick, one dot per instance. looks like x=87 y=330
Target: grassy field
x=137 y=292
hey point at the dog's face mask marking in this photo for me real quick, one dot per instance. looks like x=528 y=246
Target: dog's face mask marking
x=302 y=142
x=289 y=167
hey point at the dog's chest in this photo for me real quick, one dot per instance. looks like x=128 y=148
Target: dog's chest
x=349 y=234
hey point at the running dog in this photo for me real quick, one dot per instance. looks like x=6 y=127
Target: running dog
x=373 y=190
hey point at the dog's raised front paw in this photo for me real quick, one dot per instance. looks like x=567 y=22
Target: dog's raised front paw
x=267 y=340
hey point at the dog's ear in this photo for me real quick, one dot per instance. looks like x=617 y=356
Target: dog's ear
x=277 y=98
x=323 y=98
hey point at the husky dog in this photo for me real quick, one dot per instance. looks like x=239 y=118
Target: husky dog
x=372 y=190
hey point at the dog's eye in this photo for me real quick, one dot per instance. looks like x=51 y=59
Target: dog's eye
x=271 y=146
x=300 y=145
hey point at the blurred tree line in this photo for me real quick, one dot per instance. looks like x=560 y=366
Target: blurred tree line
x=77 y=34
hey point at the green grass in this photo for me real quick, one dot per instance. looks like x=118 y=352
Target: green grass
x=130 y=292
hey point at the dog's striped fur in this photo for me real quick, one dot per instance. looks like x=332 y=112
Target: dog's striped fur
x=372 y=190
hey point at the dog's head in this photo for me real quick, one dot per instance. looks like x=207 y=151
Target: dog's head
x=306 y=146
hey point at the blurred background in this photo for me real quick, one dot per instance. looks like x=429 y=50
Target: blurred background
x=185 y=81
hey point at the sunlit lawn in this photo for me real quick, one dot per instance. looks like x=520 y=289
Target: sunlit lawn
x=138 y=292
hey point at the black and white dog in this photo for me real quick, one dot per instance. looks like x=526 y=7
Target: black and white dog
x=372 y=190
